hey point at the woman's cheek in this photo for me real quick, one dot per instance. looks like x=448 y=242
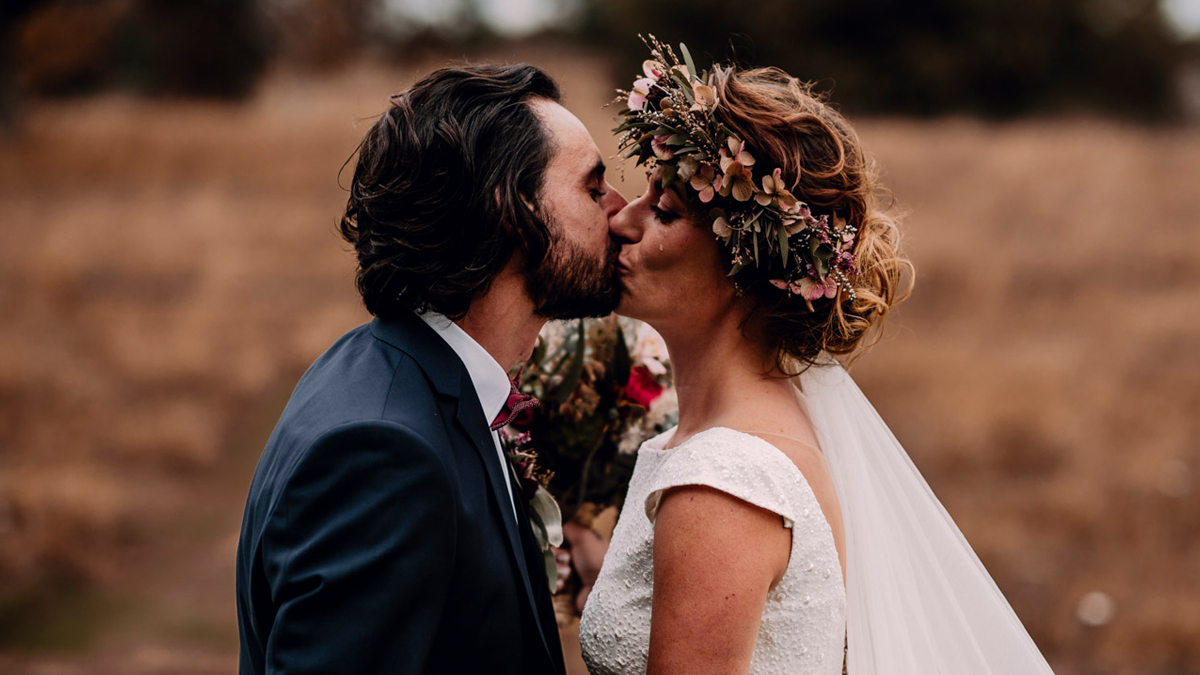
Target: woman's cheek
x=662 y=253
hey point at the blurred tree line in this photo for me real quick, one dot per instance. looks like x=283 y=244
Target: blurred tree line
x=997 y=58
x=197 y=47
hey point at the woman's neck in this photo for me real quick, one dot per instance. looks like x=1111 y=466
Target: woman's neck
x=722 y=378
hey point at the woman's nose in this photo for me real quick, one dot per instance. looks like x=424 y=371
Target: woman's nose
x=613 y=200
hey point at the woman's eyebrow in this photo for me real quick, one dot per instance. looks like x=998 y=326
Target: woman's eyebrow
x=675 y=192
x=597 y=172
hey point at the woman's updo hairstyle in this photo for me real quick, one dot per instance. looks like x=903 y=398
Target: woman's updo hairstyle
x=787 y=126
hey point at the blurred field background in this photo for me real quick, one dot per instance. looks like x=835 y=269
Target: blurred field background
x=169 y=267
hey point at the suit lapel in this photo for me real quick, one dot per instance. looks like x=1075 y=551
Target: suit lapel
x=543 y=601
x=470 y=416
x=450 y=377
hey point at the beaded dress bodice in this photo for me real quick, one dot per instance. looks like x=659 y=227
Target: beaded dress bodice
x=804 y=620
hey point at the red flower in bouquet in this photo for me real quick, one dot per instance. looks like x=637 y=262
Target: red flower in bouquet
x=642 y=388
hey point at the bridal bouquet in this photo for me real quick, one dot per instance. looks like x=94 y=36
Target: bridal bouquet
x=604 y=387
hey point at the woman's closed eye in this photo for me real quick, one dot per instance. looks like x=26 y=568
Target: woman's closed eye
x=663 y=215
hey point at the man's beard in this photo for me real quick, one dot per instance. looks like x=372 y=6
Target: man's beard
x=571 y=284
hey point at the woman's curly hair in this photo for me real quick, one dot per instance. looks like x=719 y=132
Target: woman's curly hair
x=445 y=189
x=823 y=163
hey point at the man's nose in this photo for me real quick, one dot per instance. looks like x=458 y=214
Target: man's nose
x=615 y=202
x=623 y=224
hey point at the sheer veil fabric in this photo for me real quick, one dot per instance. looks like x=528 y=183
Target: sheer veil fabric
x=918 y=600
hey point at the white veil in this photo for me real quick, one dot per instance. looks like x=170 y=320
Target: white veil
x=919 y=601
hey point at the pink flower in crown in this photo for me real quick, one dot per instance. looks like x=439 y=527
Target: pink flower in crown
x=738 y=181
x=785 y=286
x=707 y=182
x=808 y=288
x=722 y=228
x=775 y=190
x=641 y=89
x=735 y=151
x=811 y=289
x=660 y=147
x=736 y=163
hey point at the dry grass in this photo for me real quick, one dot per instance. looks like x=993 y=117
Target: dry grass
x=167 y=269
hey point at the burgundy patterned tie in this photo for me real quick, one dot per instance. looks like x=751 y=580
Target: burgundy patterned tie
x=516 y=403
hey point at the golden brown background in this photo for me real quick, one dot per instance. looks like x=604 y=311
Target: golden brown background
x=169 y=266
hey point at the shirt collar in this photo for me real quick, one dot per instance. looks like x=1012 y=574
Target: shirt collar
x=492 y=385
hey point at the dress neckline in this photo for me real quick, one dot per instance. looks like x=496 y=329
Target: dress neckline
x=658 y=443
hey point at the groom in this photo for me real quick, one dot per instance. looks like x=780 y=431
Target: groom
x=383 y=532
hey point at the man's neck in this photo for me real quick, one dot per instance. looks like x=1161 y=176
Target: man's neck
x=502 y=321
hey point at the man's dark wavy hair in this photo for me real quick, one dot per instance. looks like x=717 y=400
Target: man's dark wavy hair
x=445 y=189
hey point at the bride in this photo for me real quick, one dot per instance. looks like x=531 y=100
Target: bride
x=779 y=528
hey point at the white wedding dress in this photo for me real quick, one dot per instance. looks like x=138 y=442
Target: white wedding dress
x=804 y=620
x=917 y=601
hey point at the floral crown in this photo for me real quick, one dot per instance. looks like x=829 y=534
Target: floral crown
x=671 y=122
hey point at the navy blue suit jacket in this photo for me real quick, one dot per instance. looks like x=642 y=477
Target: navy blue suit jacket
x=378 y=535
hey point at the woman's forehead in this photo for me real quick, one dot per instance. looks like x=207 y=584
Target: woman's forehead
x=674 y=191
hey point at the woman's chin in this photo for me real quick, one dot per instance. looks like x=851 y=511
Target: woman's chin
x=628 y=307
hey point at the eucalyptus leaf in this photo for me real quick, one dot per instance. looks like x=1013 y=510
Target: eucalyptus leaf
x=687 y=60
x=545 y=512
x=622 y=363
x=631 y=151
x=669 y=171
x=571 y=379
x=683 y=86
x=678 y=139
x=550 y=565
x=783 y=244
x=822 y=254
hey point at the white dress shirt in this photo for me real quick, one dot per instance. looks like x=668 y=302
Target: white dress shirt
x=492 y=385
